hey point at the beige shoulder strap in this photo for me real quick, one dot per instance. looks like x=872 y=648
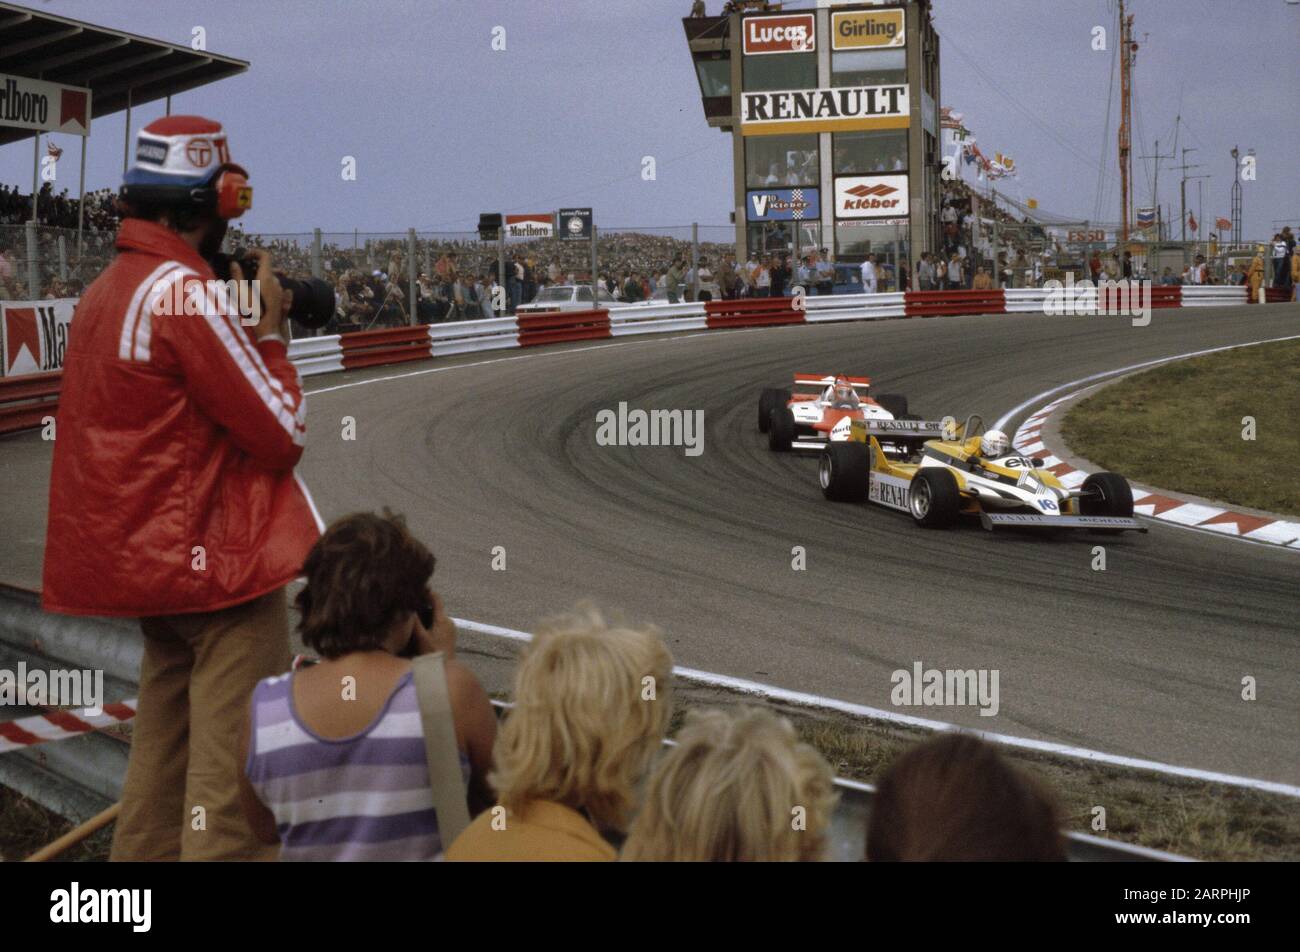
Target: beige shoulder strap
x=440 y=750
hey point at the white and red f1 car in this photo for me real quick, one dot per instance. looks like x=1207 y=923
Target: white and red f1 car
x=821 y=409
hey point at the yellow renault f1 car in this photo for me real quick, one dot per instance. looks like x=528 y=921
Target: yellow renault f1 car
x=972 y=474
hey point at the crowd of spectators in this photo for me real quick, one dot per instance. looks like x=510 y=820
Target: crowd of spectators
x=59 y=210
x=577 y=770
x=456 y=278
x=63 y=273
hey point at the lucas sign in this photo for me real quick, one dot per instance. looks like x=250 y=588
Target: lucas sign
x=796 y=33
x=871 y=196
x=841 y=109
x=45 y=107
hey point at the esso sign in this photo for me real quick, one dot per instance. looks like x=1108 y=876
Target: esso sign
x=1086 y=237
x=780 y=34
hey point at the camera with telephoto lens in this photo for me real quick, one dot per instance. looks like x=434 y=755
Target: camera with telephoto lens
x=313 y=298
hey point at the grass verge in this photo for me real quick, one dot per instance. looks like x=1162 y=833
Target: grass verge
x=1180 y=427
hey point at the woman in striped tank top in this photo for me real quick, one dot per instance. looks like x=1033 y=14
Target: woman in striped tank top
x=334 y=753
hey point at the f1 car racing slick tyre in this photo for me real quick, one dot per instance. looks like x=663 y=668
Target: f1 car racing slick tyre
x=844 y=471
x=768 y=401
x=933 y=498
x=895 y=403
x=1106 y=494
x=780 y=429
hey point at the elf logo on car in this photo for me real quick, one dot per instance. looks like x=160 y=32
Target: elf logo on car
x=784 y=34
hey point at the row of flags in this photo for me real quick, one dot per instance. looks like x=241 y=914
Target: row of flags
x=1146 y=218
x=1000 y=166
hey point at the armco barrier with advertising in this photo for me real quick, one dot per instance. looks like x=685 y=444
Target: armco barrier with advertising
x=34 y=335
x=40 y=329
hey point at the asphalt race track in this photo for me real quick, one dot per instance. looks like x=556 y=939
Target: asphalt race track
x=1144 y=659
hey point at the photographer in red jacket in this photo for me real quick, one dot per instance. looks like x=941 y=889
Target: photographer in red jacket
x=172 y=496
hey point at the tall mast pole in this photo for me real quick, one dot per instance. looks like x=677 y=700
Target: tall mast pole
x=1126 y=108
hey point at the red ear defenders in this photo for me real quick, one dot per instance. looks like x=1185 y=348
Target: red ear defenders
x=228 y=195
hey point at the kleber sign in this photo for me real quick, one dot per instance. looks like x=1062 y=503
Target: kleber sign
x=871 y=196
x=45 y=107
x=34 y=335
x=868 y=30
x=530 y=226
x=795 y=33
x=783 y=204
x=841 y=109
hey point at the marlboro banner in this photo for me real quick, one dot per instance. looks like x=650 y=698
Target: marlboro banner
x=530 y=226
x=34 y=335
x=44 y=107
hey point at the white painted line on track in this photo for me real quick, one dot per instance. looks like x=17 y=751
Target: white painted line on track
x=773 y=693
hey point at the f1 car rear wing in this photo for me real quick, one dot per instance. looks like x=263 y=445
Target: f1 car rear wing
x=892 y=431
x=860 y=384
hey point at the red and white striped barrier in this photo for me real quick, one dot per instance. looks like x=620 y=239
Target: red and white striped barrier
x=560 y=327
x=60 y=725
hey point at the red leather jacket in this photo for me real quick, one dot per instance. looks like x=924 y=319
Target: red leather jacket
x=172 y=488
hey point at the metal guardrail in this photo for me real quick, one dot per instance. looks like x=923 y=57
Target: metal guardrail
x=81 y=776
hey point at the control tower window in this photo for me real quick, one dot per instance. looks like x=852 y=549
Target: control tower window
x=780 y=71
x=714 y=75
x=781 y=161
x=869 y=68
x=860 y=153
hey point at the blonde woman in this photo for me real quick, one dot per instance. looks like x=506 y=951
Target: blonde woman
x=592 y=702
x=736 y=787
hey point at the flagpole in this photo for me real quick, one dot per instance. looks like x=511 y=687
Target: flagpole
x=36 y=171
x=81 y=199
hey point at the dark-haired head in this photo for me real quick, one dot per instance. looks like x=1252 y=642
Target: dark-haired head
x=366 y=573
x=956 y=798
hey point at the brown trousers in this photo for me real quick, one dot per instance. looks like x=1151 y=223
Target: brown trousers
x=181 y=795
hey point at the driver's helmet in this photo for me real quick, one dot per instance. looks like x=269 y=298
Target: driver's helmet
x=843 y=394
x=994 y=444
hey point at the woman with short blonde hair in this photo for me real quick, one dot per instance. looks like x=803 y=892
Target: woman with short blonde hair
x=591 y=704
x=736 y=787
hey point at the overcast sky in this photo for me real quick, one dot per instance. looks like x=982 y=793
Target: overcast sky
x=442 y=127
